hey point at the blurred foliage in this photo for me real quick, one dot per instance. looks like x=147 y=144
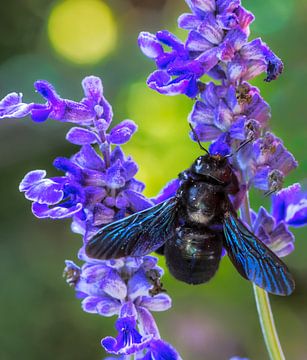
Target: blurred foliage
x=40 y=318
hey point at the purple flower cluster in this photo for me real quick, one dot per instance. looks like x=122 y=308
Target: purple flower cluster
x=217 y=45
x=230 y=112
x=129 y=288
x=96 y=188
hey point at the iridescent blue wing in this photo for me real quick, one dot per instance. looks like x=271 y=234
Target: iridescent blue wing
x=137 y=234
x=255 y=261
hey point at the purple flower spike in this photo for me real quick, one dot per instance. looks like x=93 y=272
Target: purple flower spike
x=128 y=341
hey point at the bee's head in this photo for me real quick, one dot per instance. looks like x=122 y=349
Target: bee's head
x=215 y=168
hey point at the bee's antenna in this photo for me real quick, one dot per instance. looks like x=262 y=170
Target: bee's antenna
x=240 y=147
x=197 y=139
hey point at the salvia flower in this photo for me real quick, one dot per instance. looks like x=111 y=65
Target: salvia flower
x=96 y=186
x=230 y=113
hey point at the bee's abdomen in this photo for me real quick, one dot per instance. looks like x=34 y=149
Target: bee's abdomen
x=194 y=255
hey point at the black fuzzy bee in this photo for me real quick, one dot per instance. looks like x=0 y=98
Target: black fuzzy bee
x=191 y=229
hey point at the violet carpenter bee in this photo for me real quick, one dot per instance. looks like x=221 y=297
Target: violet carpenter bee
x=192 y=228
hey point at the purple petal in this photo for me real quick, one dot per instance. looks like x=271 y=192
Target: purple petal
x=147 y=324
x=274 y=66
x=10 y=100
x=138 y=284
x=138 y=202
x=135 y=185
x=236 y=39
x=163 y=83
x=265 y=220
x=121 y=201
x=210 y=97
x=113 y=285
x=227 y=21
x=115 y=177
x=236 y=69
x=128 y=341
x=171 y=40
x=162 y=350
x=93 y=89
x=223 y=116
x=81 y=136
x=201 y=114
x=130 y=168
x=220 y=146
x=227 y=5
x=149 y=45
x=196 y=42
x=45 y=191
x=260 y=180
x=281 y=240
x=89 y=304
x=43 y=211
x=204 y=5
x=282 y=159
x=88 y=158
x=117 y=154
x=102 y=214
x=245 y=18
x=101 y=305
x=160 y=302
x=188 y=21
x=208 y=59
x=206 y=132
x=108 y=307
x=237 y=130
x=129 y=309
x=94 y=194
x=11 y=106
x=210 y=29
x=67 y=166
x=122 y=132
x=290 y=204
x=40 y=113
x=47 y=91
x=31 y=178
x=259 y=109
x=78 y=226
x=74 y=112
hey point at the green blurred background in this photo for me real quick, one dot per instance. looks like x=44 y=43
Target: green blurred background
x=62 y=41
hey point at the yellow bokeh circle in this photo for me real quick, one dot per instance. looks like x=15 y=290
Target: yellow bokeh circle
x=82 y=31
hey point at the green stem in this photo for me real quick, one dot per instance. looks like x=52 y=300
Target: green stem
x=263 y=306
